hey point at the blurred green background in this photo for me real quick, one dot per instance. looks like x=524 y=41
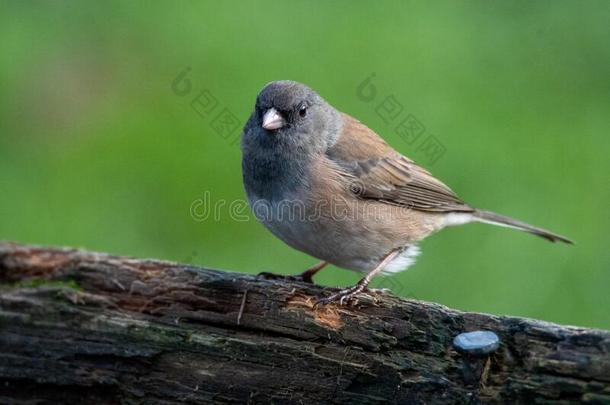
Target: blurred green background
x=98 y=151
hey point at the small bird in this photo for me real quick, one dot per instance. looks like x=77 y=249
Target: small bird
x=329 y=186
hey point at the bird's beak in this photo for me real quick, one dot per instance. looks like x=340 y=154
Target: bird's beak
x=273 y=120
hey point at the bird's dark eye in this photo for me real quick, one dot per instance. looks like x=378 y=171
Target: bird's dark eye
x=303 y=110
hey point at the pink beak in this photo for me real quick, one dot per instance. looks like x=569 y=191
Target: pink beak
x=272 y=120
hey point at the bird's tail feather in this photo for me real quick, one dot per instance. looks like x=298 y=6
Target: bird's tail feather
x=497 y=219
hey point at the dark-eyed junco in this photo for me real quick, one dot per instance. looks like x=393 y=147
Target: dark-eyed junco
x=327 y=185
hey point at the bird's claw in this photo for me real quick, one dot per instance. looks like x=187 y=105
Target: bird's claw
x=342 y=296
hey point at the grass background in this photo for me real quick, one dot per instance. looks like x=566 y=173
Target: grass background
x=97 y=151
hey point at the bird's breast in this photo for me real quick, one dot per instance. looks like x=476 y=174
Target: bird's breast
x=270 y=176
x=324 y=219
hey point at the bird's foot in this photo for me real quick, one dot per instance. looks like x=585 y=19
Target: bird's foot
x=303 y=278
x=342 y=296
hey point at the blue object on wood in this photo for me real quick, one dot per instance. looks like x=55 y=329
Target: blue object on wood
x=476 y=343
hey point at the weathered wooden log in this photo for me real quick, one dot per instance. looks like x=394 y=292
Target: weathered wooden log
x=85 y=327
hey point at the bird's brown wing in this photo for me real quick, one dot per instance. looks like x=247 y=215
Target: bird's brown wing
x=376 y=171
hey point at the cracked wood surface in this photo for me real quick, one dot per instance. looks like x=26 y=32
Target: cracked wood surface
x=80 y=326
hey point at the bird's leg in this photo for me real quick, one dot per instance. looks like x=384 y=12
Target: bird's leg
x=348 y=293
x=306 y=276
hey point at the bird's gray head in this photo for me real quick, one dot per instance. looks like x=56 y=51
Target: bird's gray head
x=289 y=113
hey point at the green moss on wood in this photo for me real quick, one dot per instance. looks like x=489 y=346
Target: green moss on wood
x=43 y=282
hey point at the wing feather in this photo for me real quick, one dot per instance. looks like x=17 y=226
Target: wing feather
x=376 y=171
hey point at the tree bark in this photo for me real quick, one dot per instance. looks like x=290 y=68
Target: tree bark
x=78 y=326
